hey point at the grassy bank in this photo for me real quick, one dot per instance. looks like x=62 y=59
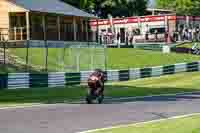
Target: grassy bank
x=115 y=58
x=188 y=45
x=182 y=125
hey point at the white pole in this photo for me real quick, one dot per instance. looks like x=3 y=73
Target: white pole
x=15 y=33
x=78 y=61
x=92 y=59
x=74 y=28
x=58 y=26
x=21 y=32
x=27 y=26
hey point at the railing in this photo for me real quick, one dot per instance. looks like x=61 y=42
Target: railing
x=17 y=33
x=28 y=80
x=142 y=38
x=20 y=34
x=3 y=34
x=149 y=38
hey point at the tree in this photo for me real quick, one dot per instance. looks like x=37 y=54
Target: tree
x=126 y=7
x=195 y=8
x=136 y=7
x=114 y=7
x=181 y=7
x=75 y=3
x=165 y=4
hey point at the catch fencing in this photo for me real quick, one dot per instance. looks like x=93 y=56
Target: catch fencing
x=53 y=59
x=62 y=79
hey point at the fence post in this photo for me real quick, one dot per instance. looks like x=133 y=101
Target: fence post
x=63 y=63
x=92 y=59
x=105 y=58
x=46 y=54
x=78 y=62
x=4 y=53
x=27 y=54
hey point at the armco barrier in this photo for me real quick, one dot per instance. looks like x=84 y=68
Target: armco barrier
x=72 y=78
x=56 y=79
x=18 y=80
x=3 y=81
x=38 y=80
x=60 y=79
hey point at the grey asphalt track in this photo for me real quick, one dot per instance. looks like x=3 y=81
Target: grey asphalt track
x=72 y=118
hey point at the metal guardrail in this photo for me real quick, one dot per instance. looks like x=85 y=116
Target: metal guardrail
x=30 y=80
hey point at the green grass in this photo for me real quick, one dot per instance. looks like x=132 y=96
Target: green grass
x=131 y=58
x=116 y=58
x=188 y=45
x=185 y=82
x=181 y=125
x=56 y=56
x=10 y=68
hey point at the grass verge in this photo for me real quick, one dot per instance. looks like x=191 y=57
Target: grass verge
x=188 y=45
x=184 y=82
x=180 y=125
x=115 y=58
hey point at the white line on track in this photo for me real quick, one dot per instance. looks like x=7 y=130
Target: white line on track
x=140 y=123
x=35 y=105
x=21 y=106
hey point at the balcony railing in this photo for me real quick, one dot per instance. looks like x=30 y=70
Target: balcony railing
x=20 y=34
x=17 y=33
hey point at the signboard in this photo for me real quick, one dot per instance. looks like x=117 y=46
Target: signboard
x=131 y=20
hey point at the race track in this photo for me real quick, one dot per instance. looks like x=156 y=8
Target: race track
x=71 y=118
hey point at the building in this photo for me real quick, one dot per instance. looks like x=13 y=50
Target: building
x=145 y=28
x=154 y=11
x=40 y=21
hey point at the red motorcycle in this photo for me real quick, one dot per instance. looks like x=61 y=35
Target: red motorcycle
x=96 y=87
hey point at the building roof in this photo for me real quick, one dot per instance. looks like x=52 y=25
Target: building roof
x=161 y=10
x=51 y=6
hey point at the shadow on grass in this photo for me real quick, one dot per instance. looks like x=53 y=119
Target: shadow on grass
x=9 y=68
x=75 y=94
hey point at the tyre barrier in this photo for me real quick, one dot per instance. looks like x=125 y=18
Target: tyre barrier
x=61 y=79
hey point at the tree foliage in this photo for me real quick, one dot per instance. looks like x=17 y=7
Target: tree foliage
x=114 y=7
x=182 y=7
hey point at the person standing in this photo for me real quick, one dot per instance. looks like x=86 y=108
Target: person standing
x=156 y=35
x=146 y=30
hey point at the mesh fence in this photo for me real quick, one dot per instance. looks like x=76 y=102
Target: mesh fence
x=83 y=59
x=55 y=59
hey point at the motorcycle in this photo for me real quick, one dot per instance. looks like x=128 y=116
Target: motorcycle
x=96 y=88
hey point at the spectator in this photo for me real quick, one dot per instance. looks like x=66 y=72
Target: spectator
x=190 y=34
x=156 y=35
x=127 y=35
x=118 y=37
x=193 y=34
x=146 y=33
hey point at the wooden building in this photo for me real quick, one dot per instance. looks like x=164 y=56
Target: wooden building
x=37 y=21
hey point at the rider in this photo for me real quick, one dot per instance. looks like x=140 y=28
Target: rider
x=96 y=82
